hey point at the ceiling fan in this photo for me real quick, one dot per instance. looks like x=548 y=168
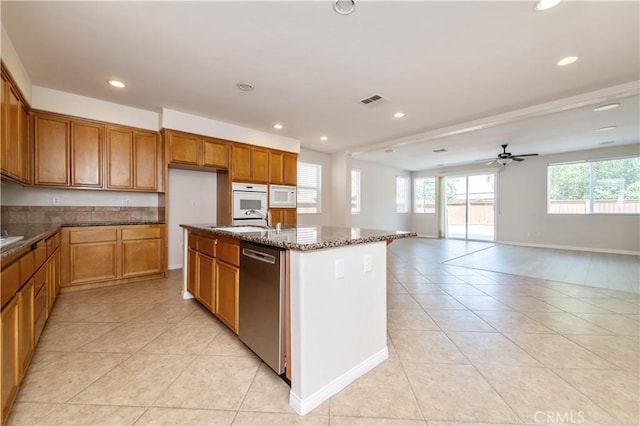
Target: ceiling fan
x=505 y=157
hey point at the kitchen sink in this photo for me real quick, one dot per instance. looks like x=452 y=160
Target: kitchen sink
x=9 y=240
x=241 y=229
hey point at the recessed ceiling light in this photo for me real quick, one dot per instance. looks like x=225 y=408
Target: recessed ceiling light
x=116 y=83
x=566 y=61
x=606 y=107
x=546 y=4
x=278 y=126
x=344 y=7
x=324 y=138
x=607 y=142
x=247 y=87
x=398 y=114
x=388 y=151
x=606 y=128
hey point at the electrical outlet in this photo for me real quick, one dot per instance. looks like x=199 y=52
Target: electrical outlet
x=339 y=268
x=55 y=201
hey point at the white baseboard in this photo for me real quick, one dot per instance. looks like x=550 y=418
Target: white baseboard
x=304 y=406
x=178 y=266
x=589 y=249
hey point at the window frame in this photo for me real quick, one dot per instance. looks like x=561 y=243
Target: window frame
x=592 y=184
x=301 y=188
x=435 y=194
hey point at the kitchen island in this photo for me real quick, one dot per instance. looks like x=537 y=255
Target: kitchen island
x=336 y=280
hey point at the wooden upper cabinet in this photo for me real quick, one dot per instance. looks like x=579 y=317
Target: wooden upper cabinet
x=119 y=158
x=4 y=138
x=187 y=149
x=215 y=153
x=275 y=167
x=133 y=159
x=290 y=169
x=146 y=164
x=240 y=163
x=51 y=146
x=86 y=154
x=250 y=164
x=184 y=148
x=283 y=168
x=14 y=134
x=15 y=147
x=26 y=146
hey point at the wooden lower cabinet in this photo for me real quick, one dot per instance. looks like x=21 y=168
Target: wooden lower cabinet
x=206 y=292
x=96 y=255
x=227 y=292
x=26 y=341
x=213 y=275
x=10 y=369
x=286 y=217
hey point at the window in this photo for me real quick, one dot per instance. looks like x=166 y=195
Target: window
x=402 y=194
x=424 y=195
x=594 y=187
x=355 y=191
x=309 y=179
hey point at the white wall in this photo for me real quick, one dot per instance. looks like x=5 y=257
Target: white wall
x=13 y=194
x=521 y=213
x=340 y=190
x=192 y=199
x=324 y=217
x=378 y=195
x=14 y=64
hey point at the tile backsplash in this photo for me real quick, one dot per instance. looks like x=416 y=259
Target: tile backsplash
x=59 y=215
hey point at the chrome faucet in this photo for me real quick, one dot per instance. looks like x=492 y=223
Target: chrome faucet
x=264 y=214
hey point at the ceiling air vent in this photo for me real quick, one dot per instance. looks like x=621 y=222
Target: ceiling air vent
x=373 y=99
x=440 y=150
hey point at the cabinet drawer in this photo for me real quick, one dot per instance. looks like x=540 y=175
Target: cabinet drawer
x=10 y=282
x=140 y=233
x=27 y=265
x=207 y=246
x=40 y=254
x=93 y=236
x=40 y=279
x=52 y=244
x=193 y=242
x=228 y=251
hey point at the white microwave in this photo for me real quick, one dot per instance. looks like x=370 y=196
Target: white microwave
x=282 y=196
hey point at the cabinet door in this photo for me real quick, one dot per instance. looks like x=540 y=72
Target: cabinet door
x=119 y=158
x=51 y=139
x=290 y=169
x=53 y=278
x=184 y=148
x=146 y=151
x=26 y=146
x=206 y=281
x=14 y=148
x=141 y=257
x=240 y=163
x=290 y=217
x=25 y=326
x=227 y=288
x=275 y=168
x=192 y=272
x=9 y=339
x=215 y=153
x=276 y=216
x=86 y=154
x=93 y=262
x=4 y=115
x=259 y=165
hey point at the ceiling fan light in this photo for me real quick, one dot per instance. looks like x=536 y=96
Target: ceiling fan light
x=344 y=7
x=504 y=161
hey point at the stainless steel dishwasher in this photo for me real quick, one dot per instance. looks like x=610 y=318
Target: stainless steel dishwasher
x=262 y=320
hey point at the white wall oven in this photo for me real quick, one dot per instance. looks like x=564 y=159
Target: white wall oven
x=249 y=203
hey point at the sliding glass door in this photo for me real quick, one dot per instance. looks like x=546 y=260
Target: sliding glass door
x=470 y=207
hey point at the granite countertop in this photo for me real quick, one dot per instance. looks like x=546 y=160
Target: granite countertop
x=33 y=233
x=305 y=238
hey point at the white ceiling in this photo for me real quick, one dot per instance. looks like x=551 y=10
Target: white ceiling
x=447 y=65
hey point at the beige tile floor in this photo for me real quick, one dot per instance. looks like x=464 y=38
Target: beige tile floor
x=467 y=346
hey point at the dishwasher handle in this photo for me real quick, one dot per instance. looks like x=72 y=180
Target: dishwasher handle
x=259 y=256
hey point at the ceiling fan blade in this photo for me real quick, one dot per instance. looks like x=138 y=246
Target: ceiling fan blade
x=489 y=163
x=517 y=159
x=525 y=155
